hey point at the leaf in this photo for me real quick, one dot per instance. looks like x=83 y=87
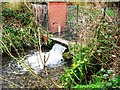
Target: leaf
x=99 y=51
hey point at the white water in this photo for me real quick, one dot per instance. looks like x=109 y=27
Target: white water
x=53 y=58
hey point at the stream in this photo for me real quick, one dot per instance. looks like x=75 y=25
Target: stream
x=52 y=61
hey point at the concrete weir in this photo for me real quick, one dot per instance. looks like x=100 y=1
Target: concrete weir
x=58 y=40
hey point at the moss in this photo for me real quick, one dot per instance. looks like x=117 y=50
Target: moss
x=68 y=56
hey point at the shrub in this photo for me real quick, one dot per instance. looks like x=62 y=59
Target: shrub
x=17 y=29
x=101 y=52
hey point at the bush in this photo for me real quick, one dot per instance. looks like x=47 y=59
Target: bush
x=76 y=74
x=18 y=31
x=102 y=52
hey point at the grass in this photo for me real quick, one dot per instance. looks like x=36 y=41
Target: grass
x=93 y=85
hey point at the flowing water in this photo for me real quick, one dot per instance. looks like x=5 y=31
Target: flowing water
x=53 y=58
x=52 y=61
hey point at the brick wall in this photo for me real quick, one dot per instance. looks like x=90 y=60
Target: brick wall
x=56 y=16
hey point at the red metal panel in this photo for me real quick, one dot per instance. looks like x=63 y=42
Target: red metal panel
x=57 y=16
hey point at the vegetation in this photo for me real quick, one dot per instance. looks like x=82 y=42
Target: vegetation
x=95 y=57
x=18 y=29
x=93 y=65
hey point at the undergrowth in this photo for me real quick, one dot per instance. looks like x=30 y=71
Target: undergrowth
x=19 y=29
x=101 y=54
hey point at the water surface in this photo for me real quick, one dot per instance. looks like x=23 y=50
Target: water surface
x=52 y=60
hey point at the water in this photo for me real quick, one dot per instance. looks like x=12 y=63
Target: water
x=55 y=54
x=16 y=73
x=38 y=60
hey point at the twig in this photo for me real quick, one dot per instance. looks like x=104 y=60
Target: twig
x=27 y=6
x=26 y=66
x=11 y=82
